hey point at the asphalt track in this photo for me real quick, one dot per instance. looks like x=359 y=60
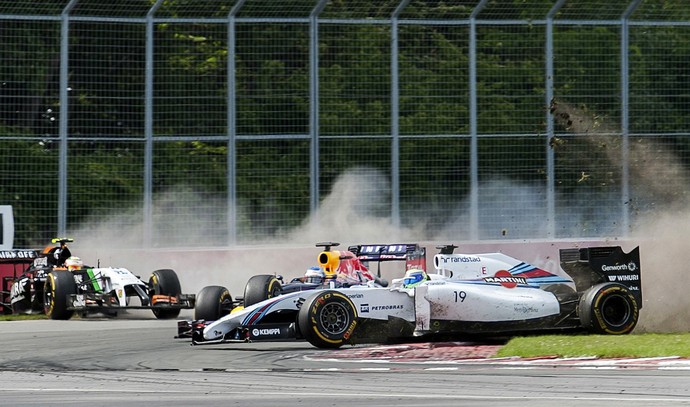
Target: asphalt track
x=135 y=360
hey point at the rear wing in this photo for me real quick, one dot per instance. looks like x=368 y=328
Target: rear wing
x=12 y=264
x=594 y=265
x=413 y=255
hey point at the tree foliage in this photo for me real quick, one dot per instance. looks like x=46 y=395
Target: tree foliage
x=107 y=72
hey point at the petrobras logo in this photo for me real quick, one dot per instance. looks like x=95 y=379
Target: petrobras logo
x=620 y=267
x=265 y=331
x=367 y=308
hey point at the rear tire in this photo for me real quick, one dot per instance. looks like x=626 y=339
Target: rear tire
x=327 y=319
x=165 y=282
x=59 y=287
x=608 y=309
x=212 y=303
x=260 y=288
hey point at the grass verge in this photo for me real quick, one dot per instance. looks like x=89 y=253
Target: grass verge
x=22 y=317
x=602 y=346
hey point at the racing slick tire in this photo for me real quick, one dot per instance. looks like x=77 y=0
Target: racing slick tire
x=327 y=319
x=58 y=288
x=608 y=308
x=260 y=288
x=165 y=282
x=212 y=303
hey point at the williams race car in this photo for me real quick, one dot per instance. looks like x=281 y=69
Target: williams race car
x=351 y=267
x=468 y=295
x=58 y=284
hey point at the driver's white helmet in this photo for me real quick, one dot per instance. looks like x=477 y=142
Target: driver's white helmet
x=74 y=263
x=414 y=277
x=314 y=275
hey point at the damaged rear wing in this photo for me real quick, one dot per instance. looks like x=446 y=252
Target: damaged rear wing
x=594 y=265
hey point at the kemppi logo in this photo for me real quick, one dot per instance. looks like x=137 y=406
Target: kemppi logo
x=265 y=332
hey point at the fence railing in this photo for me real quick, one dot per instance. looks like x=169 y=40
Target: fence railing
x=205 y=124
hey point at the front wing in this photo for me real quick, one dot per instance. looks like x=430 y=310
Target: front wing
x=94 y=301
x=262 y=332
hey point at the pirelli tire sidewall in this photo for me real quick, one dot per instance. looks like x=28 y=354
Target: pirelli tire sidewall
x=327 y=319
x=260 y=288
x=212 y=303
x=608 y=309
x=58 y=288
x=165 y=282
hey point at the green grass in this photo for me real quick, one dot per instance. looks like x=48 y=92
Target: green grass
x=22 y=317
x=602 y=346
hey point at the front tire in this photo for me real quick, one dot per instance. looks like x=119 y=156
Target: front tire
x=59 y=287
x=608 y=309
x=165 y=282
x=212 y=303
x=260 y=288
x=327 y=319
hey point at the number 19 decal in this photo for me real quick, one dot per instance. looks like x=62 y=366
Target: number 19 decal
x=460 y=296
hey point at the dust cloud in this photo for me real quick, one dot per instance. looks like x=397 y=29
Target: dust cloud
x=357 y=212
x=349 y=213
x=660 y=212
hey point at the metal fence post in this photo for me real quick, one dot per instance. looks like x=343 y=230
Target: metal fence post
x=64 y=117
x=625 y=119
x=314 y=105
x=550 y=159
x=474 y=138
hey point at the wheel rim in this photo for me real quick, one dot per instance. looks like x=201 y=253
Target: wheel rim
x=334 y=319
x=48 y=297
x=275 y=290
x=616 y=310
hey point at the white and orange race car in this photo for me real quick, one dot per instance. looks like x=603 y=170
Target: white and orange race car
x=54 y=282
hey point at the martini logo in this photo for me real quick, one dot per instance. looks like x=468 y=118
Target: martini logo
x=504 y=278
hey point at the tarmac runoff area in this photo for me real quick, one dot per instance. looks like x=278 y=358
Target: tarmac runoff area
x=463 y=353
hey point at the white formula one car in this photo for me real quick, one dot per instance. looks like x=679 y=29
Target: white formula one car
x=58 y=284
x=467 y=295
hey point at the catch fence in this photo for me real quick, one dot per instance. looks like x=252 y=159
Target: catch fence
x=211 y=123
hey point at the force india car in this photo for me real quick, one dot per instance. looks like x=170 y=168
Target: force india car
x=36 y=282
x=352 y=269
x=468 y=295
